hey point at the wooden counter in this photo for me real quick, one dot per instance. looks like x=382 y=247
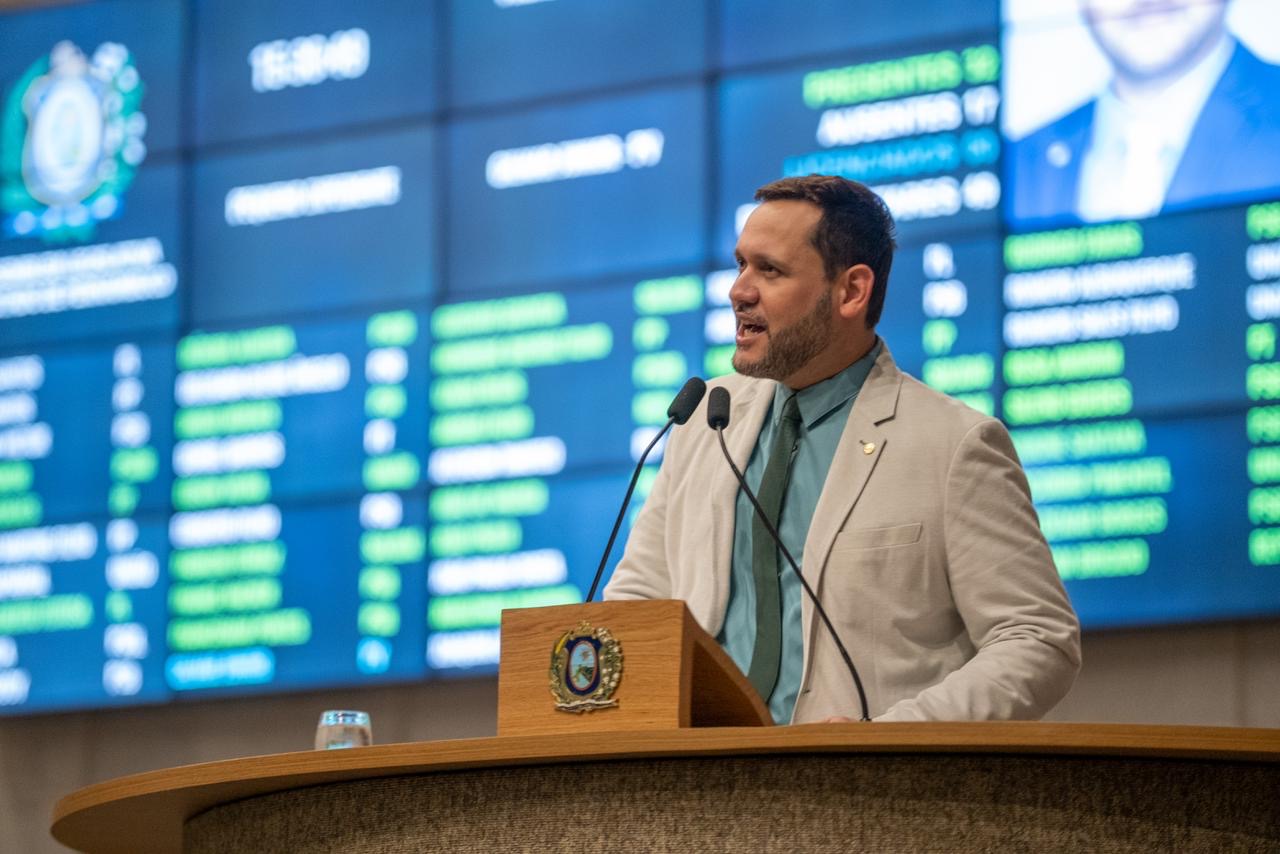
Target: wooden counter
x=147 y=813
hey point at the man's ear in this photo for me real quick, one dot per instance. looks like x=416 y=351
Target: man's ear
x=853 y=292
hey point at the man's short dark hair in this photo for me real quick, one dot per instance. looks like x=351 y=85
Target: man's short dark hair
x=856 y=228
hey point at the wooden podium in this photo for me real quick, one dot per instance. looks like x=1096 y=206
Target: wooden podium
x=662 y=770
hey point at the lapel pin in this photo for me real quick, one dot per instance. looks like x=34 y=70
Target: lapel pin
x=869 y=448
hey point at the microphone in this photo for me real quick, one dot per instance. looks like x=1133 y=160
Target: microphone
x=718 y=419
x=686 y=400
x=718 y=410
x=680 y=410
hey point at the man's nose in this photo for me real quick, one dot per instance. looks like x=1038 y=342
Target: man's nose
x=743 y=292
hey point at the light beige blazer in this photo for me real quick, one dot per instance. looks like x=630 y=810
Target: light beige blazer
x=924 y=549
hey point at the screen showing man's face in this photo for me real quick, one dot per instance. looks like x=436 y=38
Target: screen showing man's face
x=1150 y=39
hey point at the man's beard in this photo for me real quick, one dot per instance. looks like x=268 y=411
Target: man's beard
x=792 y=347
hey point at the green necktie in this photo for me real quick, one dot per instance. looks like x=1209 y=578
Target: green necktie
x=767 y=654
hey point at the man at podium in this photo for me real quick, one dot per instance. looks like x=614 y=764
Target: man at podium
x=907 y=511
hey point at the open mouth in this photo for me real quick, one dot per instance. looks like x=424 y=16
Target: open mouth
x=748 y=329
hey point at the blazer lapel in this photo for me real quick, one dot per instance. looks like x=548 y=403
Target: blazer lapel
x=860 y=447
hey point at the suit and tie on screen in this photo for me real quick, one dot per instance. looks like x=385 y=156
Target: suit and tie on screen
x=1187 y=118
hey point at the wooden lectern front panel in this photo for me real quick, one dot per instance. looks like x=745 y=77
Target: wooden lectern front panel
x=653 y=692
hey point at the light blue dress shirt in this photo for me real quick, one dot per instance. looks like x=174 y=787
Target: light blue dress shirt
x=824 y=409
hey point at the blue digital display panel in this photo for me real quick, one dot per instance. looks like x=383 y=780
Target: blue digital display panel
x=270 y=596
x=82 y=598
x=318 y=226
x=606 y=187
x=1115 y=334
x=111 y=72
x=100 y=419
x=579 y=46
x=118 y=276
x=82 y=614
x=919 y=126
x=942 y=317
x=559 y=380
x=1149 y=523
x=540 y=403
x=756 y=32
x=266 y=69
x=90 y=201
x=502 y=544
x=299 y=410
x=1132 y=305
x=265 y=590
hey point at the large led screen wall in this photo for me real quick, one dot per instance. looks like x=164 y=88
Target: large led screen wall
x=330 y=330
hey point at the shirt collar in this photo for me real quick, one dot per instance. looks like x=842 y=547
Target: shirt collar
x=819 y=400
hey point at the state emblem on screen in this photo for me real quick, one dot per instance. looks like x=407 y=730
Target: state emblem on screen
x=71 y=142
x=586 y=667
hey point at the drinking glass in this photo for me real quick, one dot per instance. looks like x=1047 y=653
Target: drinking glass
x=339 y=728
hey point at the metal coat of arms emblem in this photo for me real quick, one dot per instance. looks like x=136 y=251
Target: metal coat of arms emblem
x=586 y=666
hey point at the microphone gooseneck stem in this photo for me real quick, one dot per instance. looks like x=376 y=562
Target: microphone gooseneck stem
x=791 y=561
x=622 y=512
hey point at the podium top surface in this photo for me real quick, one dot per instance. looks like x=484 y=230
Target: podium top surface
x=144 y=813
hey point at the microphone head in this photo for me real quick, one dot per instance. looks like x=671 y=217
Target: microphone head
x=718 y=408
x=687 y=400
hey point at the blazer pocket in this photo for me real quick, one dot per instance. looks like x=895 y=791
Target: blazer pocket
x=877 y=538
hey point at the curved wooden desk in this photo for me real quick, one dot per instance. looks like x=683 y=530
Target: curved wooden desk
x=847 y=787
